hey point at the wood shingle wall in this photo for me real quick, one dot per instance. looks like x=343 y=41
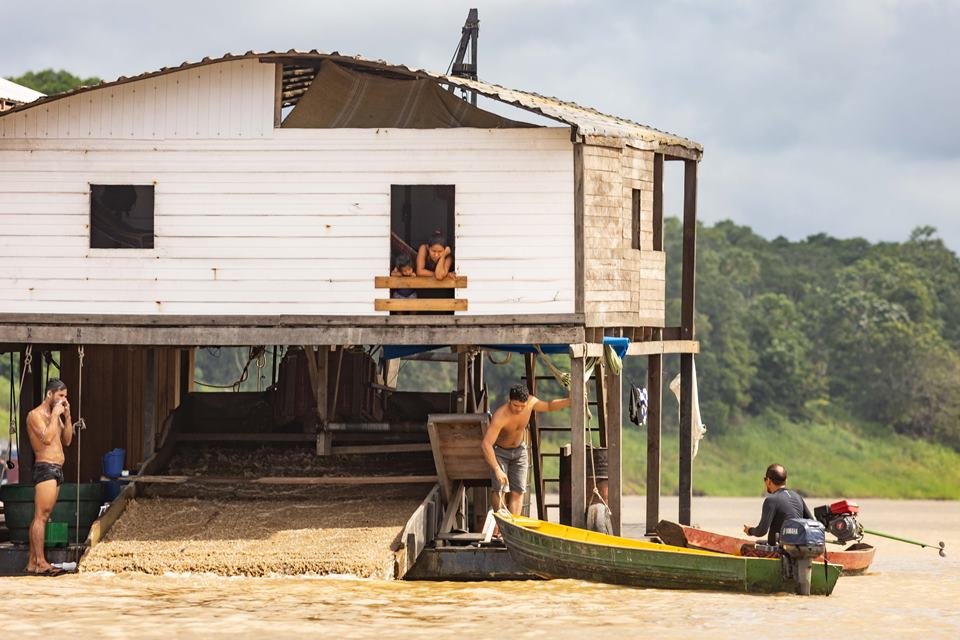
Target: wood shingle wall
x=623 y=286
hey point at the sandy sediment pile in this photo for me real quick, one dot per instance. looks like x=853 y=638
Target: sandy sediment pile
x=351 y=532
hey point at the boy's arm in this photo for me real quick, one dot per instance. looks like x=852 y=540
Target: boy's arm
x=551 y=405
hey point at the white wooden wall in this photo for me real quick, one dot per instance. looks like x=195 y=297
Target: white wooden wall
x=224 y=100
x=257 y=221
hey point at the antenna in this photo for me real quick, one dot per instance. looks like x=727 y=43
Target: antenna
x=458 y=67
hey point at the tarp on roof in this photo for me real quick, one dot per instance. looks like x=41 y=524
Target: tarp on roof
x=346 y=98
x=619 y=345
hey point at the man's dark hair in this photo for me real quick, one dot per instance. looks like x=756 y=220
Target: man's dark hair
x=777 y=474
x=54 y=385
x=519 y=392
x=403 y=260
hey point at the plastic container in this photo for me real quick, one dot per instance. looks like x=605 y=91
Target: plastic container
x=113 y=463
x=17 y=502
x=55 y=534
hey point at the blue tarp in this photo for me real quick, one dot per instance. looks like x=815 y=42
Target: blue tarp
x=398 y=351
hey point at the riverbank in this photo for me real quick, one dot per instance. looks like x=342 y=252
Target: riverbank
x=824 y=457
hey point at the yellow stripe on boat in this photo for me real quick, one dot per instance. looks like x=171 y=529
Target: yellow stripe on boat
x=565 y=532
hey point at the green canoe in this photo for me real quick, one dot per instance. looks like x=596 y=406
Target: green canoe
x=558 y=551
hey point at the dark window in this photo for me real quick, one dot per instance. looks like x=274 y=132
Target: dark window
x=635 y=216
x=121 y=216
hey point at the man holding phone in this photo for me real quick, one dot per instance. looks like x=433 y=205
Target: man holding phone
x=51 y=429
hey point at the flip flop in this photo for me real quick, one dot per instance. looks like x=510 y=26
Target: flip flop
x=52 y=572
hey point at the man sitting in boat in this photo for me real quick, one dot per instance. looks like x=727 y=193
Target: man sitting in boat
x=505 y=445
x=782 y=504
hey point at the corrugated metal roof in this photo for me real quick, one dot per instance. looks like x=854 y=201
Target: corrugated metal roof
x=17 y=93
x=584 y=120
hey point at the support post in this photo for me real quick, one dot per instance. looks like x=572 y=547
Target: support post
x=686 y=439
x=687 y=332
x=324 y=437
x=614 y=403
x=462 y=387
x=654 y=411
x=530 y=369
x=578 y=457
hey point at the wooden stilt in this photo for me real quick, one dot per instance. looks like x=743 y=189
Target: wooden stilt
x=578 y=466
x=654 y=412
x=530 y=370
x=614 y=403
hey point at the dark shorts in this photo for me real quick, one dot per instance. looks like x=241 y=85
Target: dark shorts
x=43 y=471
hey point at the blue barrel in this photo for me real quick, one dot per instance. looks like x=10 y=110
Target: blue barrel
x=113 y=463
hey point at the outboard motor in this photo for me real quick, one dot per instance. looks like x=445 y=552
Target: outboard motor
x=840 y=519
x=801 y=540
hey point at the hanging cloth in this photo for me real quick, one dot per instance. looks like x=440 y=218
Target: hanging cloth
x=697 y=428
x=638 y=405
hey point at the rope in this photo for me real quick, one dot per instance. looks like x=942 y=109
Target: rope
x=78 y=427
x=505 y=360
x=561 y=377
x=15 y=402
x=254 y=355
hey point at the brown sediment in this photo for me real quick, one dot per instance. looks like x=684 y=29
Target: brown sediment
x=349 y=531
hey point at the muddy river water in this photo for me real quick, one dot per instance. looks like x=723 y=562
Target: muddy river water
x=909 y=592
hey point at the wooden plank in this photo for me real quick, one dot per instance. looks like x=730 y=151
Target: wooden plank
x=101 y=526
x=614 y=405
x=578 y=466
x=662 y=347
x=578 y=229
x=453 y=506
x=381 y=448
x=688 y=275
x=245 y=336
x=272 y=320
x=686 y=439
x=426 y=304
x=654 y=404
x=419 y=282
x=244 y=437
x=530 y=372
x=658 y=202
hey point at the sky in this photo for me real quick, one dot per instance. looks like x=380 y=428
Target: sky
x=837 y=117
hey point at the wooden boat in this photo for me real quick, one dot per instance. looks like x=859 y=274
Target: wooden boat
x=854 y=559
x=558 y=551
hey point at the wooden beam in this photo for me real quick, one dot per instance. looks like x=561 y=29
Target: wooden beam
x=276 y=321
x=468 y=333
x=324 y=438
x=310 y=480
x=418 y=304
x=663 y=347
x=278 y=95
x=614 y=402
x=453 y=506
x=654 y=412
x=102 y=525
x=658 y=202
x=578 y=460
x=686 y=438
x=645 y=348
x=530 y=371
x=578 y=229
x=599 y=379
x=419 y=282
x=688 y=275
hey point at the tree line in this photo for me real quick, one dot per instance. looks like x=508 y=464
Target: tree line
x=796 y=327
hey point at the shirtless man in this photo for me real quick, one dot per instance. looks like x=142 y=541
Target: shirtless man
x=505 y=448
x=51 y=429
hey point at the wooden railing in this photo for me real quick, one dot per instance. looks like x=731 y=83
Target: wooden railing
x=419 y=304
